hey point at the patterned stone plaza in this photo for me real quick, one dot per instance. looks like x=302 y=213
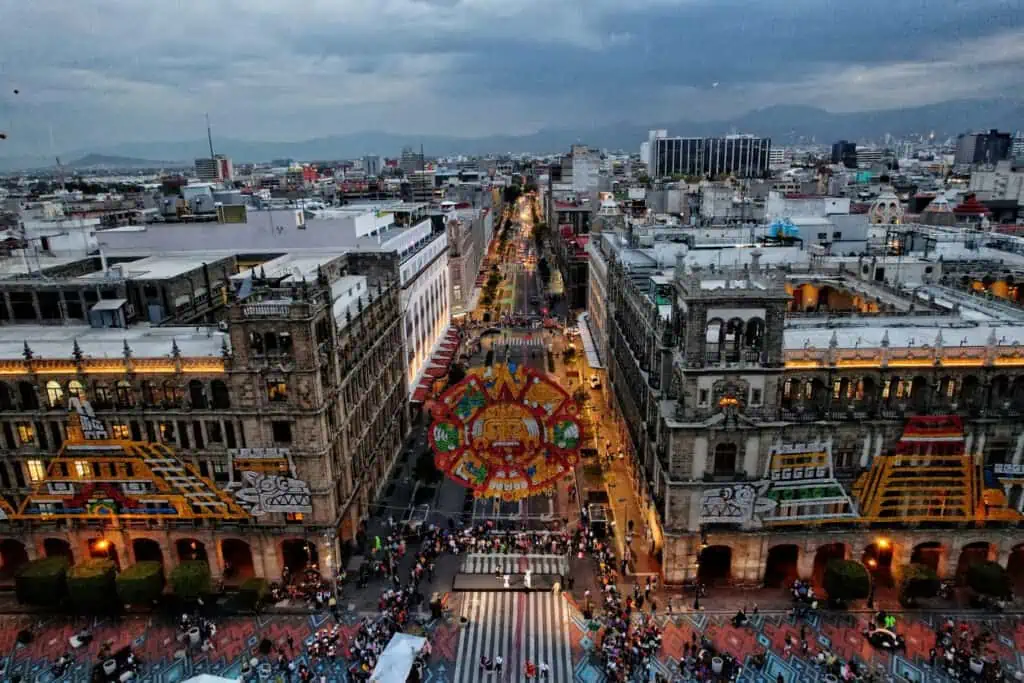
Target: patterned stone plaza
x=238 y=639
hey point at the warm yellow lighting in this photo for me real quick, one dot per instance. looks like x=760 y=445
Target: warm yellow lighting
x=872 y=563
x=883 y=544
x=102 y=545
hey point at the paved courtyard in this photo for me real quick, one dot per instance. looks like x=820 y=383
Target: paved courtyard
x=238 y=639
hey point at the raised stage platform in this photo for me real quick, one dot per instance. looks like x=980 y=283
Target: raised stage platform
x=488 y=583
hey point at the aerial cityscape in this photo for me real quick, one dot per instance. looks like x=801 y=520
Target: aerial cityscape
x=442 y=387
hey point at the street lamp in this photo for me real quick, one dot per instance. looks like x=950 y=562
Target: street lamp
x=872 y=566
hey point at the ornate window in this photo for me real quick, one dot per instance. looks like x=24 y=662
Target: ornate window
x=54 y=394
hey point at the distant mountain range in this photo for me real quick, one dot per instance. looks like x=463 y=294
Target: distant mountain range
x=101 y=161
x=784 y=124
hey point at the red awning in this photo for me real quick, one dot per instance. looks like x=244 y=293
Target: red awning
x=420 y=395
x=435 y=371
x=443 y=357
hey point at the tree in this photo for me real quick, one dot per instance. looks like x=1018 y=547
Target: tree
x=141 y=584
x=190 y=580
x=846 y=580
x=90 y=585
x=42 y=582
x=989 y=578
x=253 y=592
x=917 y=581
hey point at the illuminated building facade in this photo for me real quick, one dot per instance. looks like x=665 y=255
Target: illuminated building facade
x=256 y=443
x=767 y=440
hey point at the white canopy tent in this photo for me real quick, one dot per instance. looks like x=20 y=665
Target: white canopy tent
x=396 y=661
x=207 y=678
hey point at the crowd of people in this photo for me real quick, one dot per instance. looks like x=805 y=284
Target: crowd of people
x=964 y=654
x=630 y=638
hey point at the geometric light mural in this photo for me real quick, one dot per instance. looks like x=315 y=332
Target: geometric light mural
x=96 y=477
x=930 y=478
x=506 y=433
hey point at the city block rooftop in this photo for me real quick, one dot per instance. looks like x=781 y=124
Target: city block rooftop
x=921 y=292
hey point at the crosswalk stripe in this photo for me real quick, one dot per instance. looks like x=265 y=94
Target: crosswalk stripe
x=505 y=563
x=523 y=341
x=519 y=627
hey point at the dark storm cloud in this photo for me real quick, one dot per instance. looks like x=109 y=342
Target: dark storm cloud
x=271 y=69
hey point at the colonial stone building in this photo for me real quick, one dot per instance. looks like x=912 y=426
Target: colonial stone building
x=767 y=442
x=257 y=443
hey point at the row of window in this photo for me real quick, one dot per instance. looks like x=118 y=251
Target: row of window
x=122 y=394
x=50 y=435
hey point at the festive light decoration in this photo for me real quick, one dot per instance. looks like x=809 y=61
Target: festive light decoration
x=505 y=432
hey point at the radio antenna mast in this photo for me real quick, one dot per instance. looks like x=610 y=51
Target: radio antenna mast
x=209 y=135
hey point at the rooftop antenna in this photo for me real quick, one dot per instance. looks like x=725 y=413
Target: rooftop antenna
x=209 y=135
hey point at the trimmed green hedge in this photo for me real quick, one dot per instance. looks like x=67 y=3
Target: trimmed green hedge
x=91 y=585
x=42 y=582
x=191 y=580
x=141 y=583
x=847 y=580
x=989 y=578
x=253 y=592
x=918 y=581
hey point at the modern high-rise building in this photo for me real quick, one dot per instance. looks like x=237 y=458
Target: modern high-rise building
x=745 y=156
x=215 y=169
x=983 y=148
x=411 y=161
x=371 y=165
x=845 y=153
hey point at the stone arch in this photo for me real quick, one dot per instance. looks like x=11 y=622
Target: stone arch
x=54 y=394
x=197 y=395
x=172 y=393
x=998 y=391
x=27 y=396
x=753 y=337
x=1015 y=567
x=58 y=547
x=714 y=333
x=256 y=342
x=297 y=555
x=878 y=558
x=930 y=554
x=188 y=549
x=970 y=392
x=1017 y=393
x=825 y=554
x=919 y=393
x=13 y=555
x=147 y=550
x=124 y=393
x=6 y=397
x=715 y=565
x=77 y=390
x=103 y=548
x=781 y=565
x=732 y=341
x=973 y=553
x=221 y=397
x=238 y=563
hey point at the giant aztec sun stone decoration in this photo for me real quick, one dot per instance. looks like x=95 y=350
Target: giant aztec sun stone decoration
x=506 y=433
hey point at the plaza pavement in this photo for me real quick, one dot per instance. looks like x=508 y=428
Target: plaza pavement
x=155 y=643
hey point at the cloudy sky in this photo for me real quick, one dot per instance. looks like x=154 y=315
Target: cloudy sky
x=104 y=71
